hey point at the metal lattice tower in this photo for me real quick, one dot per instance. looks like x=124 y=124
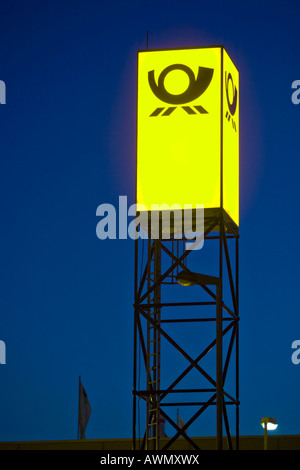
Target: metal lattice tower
x=151 y=319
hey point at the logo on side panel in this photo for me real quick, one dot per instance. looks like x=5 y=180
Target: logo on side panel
x=232 y=96
x=196 y=87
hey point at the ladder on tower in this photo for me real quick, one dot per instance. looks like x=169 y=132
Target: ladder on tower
x=153 y=348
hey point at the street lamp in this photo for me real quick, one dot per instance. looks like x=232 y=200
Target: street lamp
x=268 y=424
x=188 y=278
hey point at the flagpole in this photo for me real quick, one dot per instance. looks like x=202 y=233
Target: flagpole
x=78 y=408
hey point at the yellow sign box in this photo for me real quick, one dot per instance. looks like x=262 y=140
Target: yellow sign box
x=188 y=129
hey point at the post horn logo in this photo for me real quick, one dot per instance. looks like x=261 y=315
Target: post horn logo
x=232 y=103
x=196 y=88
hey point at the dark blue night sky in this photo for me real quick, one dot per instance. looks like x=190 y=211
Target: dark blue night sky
x=68 y=145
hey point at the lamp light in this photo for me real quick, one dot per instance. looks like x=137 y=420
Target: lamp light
x=188 y=278
x=270 y=423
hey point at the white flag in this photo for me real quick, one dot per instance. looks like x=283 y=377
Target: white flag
x=180 y=422
x=84 y=410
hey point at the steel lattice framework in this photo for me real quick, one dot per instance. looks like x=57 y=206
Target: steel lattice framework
x=158 y=270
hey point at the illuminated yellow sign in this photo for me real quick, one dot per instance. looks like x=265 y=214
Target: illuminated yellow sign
x=188 y=129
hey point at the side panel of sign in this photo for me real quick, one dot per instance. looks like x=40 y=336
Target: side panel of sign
x=230 y=139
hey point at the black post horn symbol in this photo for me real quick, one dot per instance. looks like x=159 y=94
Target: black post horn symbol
x=231 y=101
x=231 y=105
x=196 y=88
